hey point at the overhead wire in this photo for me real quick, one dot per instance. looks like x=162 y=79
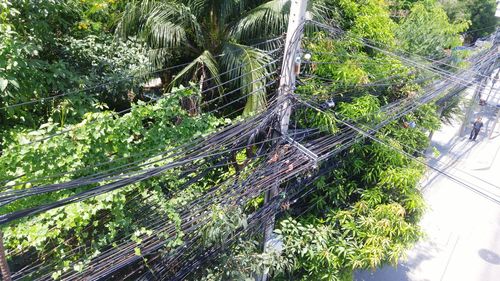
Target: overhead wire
x=212 y=167
x=128 y=77
x=370 y=134
x=206 y=113
x=121 y=181
x=144 y=104
x=367 y=42
x=206 y=102
x=8 y=197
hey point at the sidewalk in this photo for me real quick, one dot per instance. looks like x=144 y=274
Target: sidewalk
x=463 y=227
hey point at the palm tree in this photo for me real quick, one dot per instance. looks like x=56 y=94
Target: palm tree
x=214 y=35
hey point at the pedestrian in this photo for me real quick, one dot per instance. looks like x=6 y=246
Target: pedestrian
x=481 y=100
x=476 y=127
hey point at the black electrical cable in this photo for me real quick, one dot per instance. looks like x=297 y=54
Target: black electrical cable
x=370 y=134
x=110 y=82
x=205 y=103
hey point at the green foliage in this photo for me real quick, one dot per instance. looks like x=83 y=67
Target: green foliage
x=364 y=236
x=481 y=14
x=45 y=51
x=118 y=66
x=483 y=19
x=100 y=138
x=368 y=19
x=372 y=21
x=361 y=109
x=343 y=70
x=347 y=67
x=245 y=261
x=310 y=118
x=223 y=225
x=334 y=191
x=23 y=74
x=427 y=31
x=98 y=16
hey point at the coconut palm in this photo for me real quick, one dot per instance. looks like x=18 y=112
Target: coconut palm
x=215 y=35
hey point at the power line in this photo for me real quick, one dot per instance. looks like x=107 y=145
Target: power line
x=455 y=179
x=367 y=42
x=130 y=164
x=249 y=183
x=151 y=101
x=136 y=177
x=110 y=82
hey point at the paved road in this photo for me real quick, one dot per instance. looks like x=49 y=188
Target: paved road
x=462 y=226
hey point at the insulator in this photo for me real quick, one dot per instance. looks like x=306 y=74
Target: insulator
x=330 y=103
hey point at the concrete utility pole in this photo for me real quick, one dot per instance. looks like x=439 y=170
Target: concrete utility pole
x=480 y=87
x=495 y=78
x=291 y=60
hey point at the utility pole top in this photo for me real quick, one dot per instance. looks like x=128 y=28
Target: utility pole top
x=291 y=58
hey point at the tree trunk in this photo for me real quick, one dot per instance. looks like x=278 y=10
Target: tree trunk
x=192 y=103
x=4 y=266
x=166 y=78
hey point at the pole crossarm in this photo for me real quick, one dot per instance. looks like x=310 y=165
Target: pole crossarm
x=311 y=155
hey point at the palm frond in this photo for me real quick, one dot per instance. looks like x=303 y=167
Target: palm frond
x=166 y=25
x=164 y=34
x=197 y=6
x=204 y=60
x=182 y=15
x=271 y=19
x=249 y=64
x=267 y=44
x=265 y=20
x=229 y=9
x=159 y=56
x=133 y=17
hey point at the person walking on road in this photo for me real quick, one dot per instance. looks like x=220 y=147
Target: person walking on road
x=476 y=127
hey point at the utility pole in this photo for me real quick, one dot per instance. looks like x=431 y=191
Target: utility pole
x=480 y=87
x=291 y=62
x=291 y=58
x=470 y=109
x=496 y=41
x=497 y=105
